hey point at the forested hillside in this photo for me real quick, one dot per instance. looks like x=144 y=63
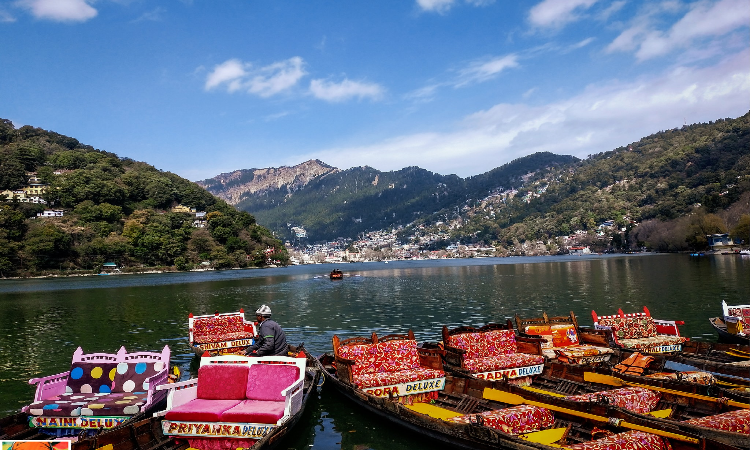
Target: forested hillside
x=677 y=186
x=114 y=210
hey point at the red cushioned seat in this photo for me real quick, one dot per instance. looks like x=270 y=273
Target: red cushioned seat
x=201 y=410
x=735 y=421
x=367 y=380
x=254 y=411
x=633 y=399
x=515 y=420
x=631 y=440
x=500 y=362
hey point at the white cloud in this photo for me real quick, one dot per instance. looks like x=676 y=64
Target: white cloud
x=277 y=77
x=60 y=10
x=338 y=92
x=441 y=6
x=480 y=71
x=556 y=13
x=230 y=72
x=438 y=6
x=600 y=118
x=703 y=20
x=264 y=82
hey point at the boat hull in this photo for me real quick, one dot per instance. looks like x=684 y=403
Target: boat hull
x=726 y=336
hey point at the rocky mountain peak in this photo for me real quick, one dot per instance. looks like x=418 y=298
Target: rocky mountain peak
x=234 y=186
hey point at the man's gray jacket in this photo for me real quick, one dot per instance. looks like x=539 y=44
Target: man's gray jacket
x=271 y=340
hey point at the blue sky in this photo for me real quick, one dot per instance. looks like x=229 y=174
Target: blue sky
x=201 y=87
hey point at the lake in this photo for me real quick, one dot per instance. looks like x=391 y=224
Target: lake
x=43 y=321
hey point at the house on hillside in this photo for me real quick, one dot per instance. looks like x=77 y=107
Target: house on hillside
x=722 y=241
x=51 y=213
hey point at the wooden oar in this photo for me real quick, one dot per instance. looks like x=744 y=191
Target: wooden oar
x=515 y=399
x=600 y=378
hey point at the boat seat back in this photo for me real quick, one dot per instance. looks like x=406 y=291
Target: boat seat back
x=222 y=382
x=484 y=344
x=267 y=381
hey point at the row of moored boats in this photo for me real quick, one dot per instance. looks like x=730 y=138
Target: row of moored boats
x=628 y=382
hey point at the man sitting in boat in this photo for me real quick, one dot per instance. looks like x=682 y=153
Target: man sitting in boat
x=271 y=340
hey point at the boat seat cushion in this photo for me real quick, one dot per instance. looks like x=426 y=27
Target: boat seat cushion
x=635 y=399
x=222 y=382
x=62 y=405
x=383 y=357
x=368 y=380
x=515 y=420
x=735 y=421
x=630 y=327
x=691 y=376
x=201 y=410
x=646 y=343
x=483 y=344
x=502 y=361
x=579 y=354
x=266 y=381
x=219 y=329
x=90 y=377
x=254 y=411
x=558 y=335
x=116 y=404
x=630 y=440
x=131 y=377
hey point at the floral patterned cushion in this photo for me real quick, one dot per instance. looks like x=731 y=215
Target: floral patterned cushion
x=635 y=399
x=90 y=377
x=383 y=357
x=641 y=326
x=489 y=343
x=373 y=379
x=631 y=440
x=219 y=329
x=500 y=362
x=735 y=421
x=646 y=343
x=515 y=420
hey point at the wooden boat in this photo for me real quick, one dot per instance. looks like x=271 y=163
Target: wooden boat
x=472 y=413
x=145 y=431
x=336 y=274
x=720 y=325
x=641 y=332
x=686 y=406
x=100 y=391
x=726 y=362
x=734 y=325
x=220 y=334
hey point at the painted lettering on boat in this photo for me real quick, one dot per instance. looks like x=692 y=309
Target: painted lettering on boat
x=213 y=429
x=516 y=372
x=398 y=390
x=76 y=422
x=226 y=344
x=665 y=348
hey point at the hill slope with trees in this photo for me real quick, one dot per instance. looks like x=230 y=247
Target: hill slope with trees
x=115 y=210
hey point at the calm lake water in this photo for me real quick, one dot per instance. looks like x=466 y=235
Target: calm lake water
x=42 y=322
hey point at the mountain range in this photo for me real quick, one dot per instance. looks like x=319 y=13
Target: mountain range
x=691 y=171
